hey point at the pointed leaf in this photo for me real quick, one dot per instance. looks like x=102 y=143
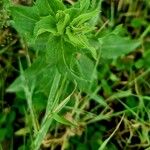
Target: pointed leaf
x=41 y=134
x=63 y=20
x=85 y=69
x=44 y=8
x=37 y=73
x=77 y=39
x=113 y=46
x=49 y=6
x=100 y=100
x=84 y=5
x=53 y=91
x=83 y=18
x=85 y=66
x=62 y=120
x=46 y=24
x=24 y=19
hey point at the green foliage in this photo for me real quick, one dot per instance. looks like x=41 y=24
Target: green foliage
x=66 y=34
x=69 y=50
x=66 y=37
x=121 y=45
x=6 y=121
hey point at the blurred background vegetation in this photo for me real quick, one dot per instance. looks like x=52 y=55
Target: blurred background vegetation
x=128 y=73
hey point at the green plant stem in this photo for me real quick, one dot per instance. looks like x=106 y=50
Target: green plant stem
x=112 y=13
x=146 y=31
x=31 y=109
x=102 y=147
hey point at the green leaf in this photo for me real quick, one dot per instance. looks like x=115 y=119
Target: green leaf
x=67 y=57
x=63 y=20
x=46 y=124
x=39 y=100
x=85 y=66
x=100 y=100
x=44 y=8
x=77 y=39
x=40 y=43
x=22 y=131
x=113 y=46
x=24 y=19
x=119 y=30
x=138 y=22
x=73 y=12
x=49 y=6
x=83 y=18
x=46 y=24
x=62 y=120
x=63 y=103
x=53 y=49
x=84 y=5
x=41 y=134
x=38 y=74
x=80 y=40
x=52 y=94
x=86 y=72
